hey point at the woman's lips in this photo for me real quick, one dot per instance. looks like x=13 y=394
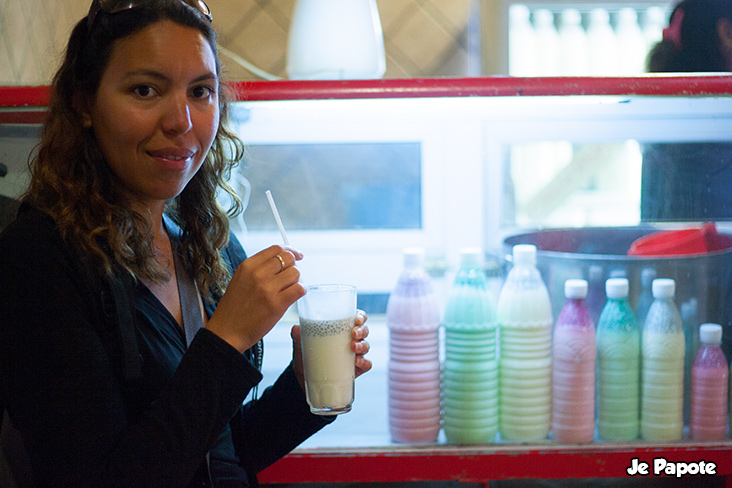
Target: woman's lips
x=172 y=158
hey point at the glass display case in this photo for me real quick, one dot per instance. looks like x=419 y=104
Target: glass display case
x=362 y=169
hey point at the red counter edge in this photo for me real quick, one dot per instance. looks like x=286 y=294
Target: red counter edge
x=30 y=97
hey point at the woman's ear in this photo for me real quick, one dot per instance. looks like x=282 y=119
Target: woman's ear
x=724 y=32
x=81 y=105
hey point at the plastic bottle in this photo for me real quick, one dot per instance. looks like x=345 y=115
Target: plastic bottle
x=632 y=47
x=653 y=23
x=662 y=359
x=573 y=369
x=547 y=43
x=618 y=366
x=471 y=367
x=603 y=44
x=573 y=46
x=709 y=387
x=413 y=320
x=525 y=325
x=645 y=298
x=521 y=42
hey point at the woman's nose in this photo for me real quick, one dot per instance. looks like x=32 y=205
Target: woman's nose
x=177 y=116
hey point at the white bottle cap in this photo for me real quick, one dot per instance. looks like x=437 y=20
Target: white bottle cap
x=710 y=333
x=413 y=257
x=663 y=288
x=575 y=289
x=524 y=254
x=471 y=257
x=616 y=288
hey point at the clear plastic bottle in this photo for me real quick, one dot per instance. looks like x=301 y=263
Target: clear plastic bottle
x=413 y=320
x=603 y=44
x=662 y=358
x=470 y=383
x=573 y=369
x=525 y=323
x=632 y=46
x=573 y=45
x=618 y=366
x=709 y=387
x=645 y=298
x=547 y=43
x=521 y=42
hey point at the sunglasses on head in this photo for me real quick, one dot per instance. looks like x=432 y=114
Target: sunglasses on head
x=115 y=6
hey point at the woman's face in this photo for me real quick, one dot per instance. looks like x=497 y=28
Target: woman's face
x=156 y=112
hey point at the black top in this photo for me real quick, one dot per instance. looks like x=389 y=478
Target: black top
x=84 y=425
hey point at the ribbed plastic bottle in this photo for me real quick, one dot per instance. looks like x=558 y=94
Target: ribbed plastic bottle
x=573 y=369
x=470 y=383
x=413 y=320
x=618 y=366
x=525 y=332
x=662 y=367
x=709 y=387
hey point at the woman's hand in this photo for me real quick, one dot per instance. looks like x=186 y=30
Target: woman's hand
x=263 y=287
x=359 y=345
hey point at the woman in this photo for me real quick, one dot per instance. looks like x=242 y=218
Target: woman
x=131 y=322
x=692 y=180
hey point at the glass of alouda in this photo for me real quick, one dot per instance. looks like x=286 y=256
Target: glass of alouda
x=327 y=316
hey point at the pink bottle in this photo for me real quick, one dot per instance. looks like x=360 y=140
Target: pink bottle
x=709 y=386
x=573 y=369
x=413 y=320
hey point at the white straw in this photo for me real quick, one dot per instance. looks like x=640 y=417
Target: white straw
x=277 y=217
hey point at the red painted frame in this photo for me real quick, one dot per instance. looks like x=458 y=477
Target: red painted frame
x=480 y=464
x=658 y=85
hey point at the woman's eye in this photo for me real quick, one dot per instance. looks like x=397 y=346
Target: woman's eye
x=202 y=92
x=143 y=91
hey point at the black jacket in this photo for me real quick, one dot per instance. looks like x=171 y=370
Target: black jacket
x=86 y=421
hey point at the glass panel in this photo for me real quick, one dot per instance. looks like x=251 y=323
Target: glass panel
x=560 y=184
x=336 y=186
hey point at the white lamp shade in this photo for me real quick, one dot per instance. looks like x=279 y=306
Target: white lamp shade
x=335 y=39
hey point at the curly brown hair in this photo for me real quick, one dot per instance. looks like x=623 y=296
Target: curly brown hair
x=71 y=181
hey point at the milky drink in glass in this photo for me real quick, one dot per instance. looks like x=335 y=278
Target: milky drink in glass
x=327 y=316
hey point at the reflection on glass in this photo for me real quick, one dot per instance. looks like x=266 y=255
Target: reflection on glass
x=336 y=186
x=687 y=181
x=560 y=184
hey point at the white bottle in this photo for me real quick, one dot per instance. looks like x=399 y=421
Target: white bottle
x=574 y=53
x=521 y=42
x=603 y=44
x=663 y=346
x=525 y=326
x=547 y=43
x=632 y=46
x=653 y=23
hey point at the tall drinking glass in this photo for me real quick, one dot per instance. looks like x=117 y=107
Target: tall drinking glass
x=327 y=316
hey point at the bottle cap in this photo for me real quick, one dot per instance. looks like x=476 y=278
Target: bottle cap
x=617 y=287
x=524 y=254
x=471 y=257
x=575 y=289
x=413 y=257
x=710 y=333
x=663 y=288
